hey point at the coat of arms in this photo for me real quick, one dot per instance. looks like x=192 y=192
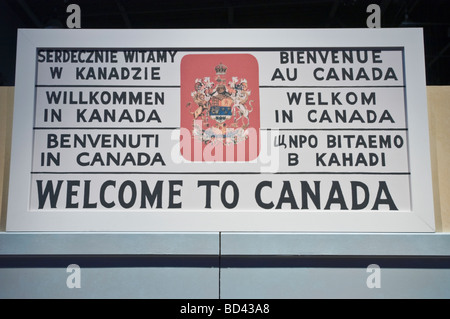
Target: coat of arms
x=221 y=110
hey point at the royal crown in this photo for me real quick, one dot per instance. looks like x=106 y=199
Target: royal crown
x=221 y=69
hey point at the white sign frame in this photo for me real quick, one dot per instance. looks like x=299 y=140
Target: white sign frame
x=419 y=219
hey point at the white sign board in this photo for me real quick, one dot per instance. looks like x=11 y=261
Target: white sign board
x=220 y=130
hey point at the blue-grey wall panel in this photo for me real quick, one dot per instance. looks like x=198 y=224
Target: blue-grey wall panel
x=328 y=280
x=121 y=282
x=109 y=243
x=227 y=265
x=356 y=244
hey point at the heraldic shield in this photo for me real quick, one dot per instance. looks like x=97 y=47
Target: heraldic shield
x=220 y=113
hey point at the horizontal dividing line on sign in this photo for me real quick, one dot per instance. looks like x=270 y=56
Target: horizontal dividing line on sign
x=177 y=128
x=253 y=48
x=328 y=86
x=105 y=86
x=105 y=128
x=261 y=86
x=227 y=173
x=334 y=129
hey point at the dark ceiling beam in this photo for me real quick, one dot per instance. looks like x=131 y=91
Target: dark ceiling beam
x=402 y=11
x=235 y=6
x=30 y=13
x=333 y=10
x=230 y=14
x=439 y=55
x=411 y=9
x=124 y=14
x=384 y=5
x=405 y=9
x=332 y=19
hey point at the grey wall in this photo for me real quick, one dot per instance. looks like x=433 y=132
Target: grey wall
x=224 y=265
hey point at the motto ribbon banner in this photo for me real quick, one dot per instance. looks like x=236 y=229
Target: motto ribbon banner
x=221 y=130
